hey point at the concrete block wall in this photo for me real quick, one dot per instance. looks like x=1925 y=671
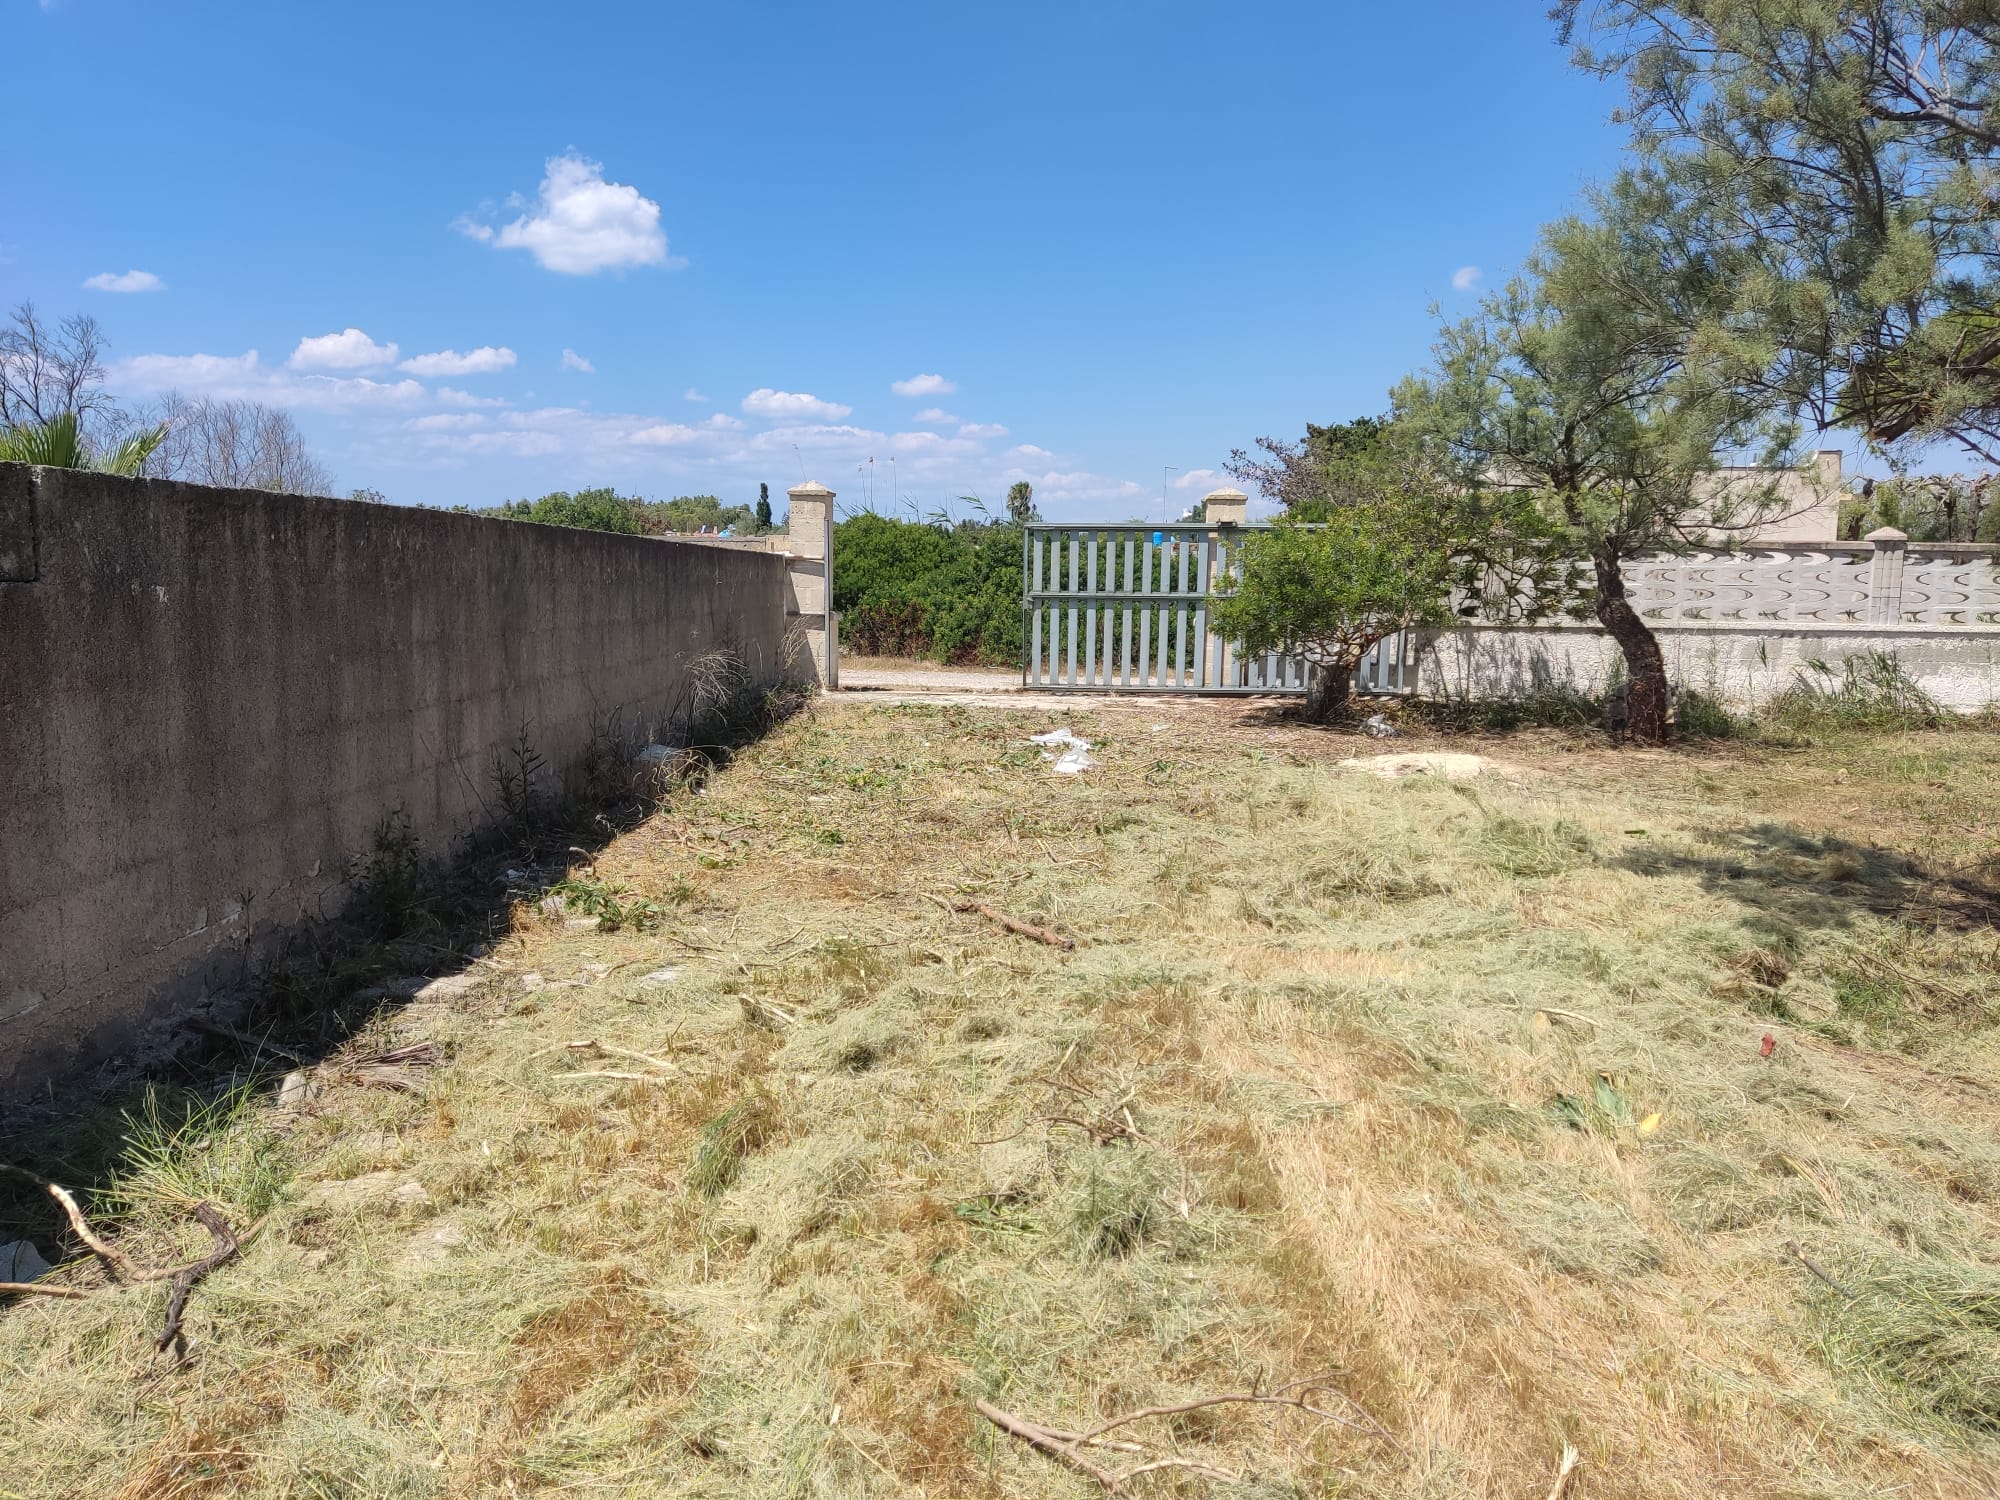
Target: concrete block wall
x=210 y=698
x=1743 y=665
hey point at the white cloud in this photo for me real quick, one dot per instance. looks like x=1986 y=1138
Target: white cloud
x=1028 y=451
x=246 y=377
x=350 y=349
x=765 y=402
x=934 y=414
x=481 y=361
x=447 y=396
x=571 y=360
x=924 y=385
x=1201 y=479
x=982 y=430
x=129 y=281
x=1465 y=278
x=581 y=224
x=447 y=421
x=667 y=434
x=933 y=444
x=691 y=394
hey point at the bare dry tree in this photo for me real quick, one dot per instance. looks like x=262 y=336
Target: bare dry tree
x=236 y=445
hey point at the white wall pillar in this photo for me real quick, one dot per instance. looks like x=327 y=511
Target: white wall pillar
x=809 y=581
x=1885 y=576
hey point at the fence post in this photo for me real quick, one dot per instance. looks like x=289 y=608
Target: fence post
x=809 y=579
x=1885 y=576
x=1226 y=507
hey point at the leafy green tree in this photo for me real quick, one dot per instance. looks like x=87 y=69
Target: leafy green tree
x=1330 y=591
x=601 y=509
x=692 y=513
x=1021 y=502
x=763 y=507
x=1831 y=165
x=1565 y=391
x=59 y=443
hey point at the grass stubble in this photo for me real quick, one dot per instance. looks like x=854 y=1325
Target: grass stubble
x=1453 y=1093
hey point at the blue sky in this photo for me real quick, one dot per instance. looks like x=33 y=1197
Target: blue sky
x=1074 y=243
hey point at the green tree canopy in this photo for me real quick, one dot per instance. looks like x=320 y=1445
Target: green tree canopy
x=591 y=510
x=1565 y=391
x=1330 y=591
x=1830 y=166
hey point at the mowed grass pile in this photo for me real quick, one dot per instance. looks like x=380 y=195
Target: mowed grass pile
x=1452 y=1093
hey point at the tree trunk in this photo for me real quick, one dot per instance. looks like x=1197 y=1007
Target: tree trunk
x=1327 y=691
x=1645 y=667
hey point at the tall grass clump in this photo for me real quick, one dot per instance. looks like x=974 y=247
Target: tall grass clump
x=1869 y=690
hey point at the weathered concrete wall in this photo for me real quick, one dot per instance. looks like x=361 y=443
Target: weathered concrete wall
x=210 y=698
x=1743 y=665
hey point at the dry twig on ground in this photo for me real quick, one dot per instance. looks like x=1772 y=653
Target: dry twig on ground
x=182 y=1279
x=1296 y=1395
x=1014 y=924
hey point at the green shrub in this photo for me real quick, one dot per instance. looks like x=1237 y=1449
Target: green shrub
x=953 y=594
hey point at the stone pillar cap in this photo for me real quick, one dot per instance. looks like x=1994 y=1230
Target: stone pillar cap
x=1887 y=534
x=812 y=489
x=1225 y=494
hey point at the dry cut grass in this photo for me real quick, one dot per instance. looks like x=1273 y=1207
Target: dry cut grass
x=1454 y=1094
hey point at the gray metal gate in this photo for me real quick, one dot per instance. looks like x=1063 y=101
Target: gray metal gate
x=1125 y=609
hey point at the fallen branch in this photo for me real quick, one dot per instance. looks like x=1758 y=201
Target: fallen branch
x=1015 y=924
x=1065 y=1446
x=184 y=1280
x=115 y=1260
x=35 y=1288
x=121 y=1267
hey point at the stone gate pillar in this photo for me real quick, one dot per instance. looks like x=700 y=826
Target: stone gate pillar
x=809 y=582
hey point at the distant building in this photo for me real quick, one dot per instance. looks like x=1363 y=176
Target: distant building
x=1808 y=509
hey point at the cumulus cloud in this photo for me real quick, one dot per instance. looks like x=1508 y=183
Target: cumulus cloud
x=1465 y=278
x=1028 y=452
x=350 y=349
x=982 y=430
x=246 y=377
x=1201 y=479
x=125 y=281
x=581 y=224
x=924 y=385
x=934 y=414
x=691 y=394
x=447 y=396
x=481 y=361
x=933 y=444
x=571 y=360
x=778 y=405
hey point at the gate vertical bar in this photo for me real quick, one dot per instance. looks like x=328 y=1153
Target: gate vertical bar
x=1128 y=545
x=1031 y=575
x=1069 y=587
x=1145 y=609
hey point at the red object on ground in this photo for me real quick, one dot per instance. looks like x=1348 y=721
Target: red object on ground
x=1770 y=1045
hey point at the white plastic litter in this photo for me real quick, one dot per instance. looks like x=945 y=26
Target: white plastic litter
x=1378 y=727
x=654 y=755
x=1075 y=756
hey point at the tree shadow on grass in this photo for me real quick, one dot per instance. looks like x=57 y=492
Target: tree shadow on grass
x=1790 y=880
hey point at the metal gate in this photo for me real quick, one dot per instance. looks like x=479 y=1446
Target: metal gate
x=1125 y=609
